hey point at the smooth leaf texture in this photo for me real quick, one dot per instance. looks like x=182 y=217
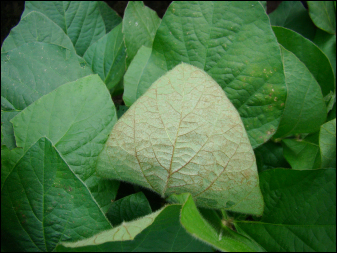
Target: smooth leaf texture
x=316 y=62
x=134 y=74
x=323 y=14
x=7 y=129
x=184 y=135
x=236 y=48
x=163 y=225
x=107 y=57
x=327 y=143
x=293 y=15
x=77 y=118
x=35 y=69
x=300 y=211
x=43 y=202
x=9 y=158
x=83 y=21
x=121 y=109
x=140 y=24
x=128 y=208
x=305 y=108
x=302 y=154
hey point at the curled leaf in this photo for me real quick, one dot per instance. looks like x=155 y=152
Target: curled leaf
x=184 y=135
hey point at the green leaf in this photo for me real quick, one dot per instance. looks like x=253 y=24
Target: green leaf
x=43 y=202
x=316 y=62
x=109 y=16
x=121 y=109
x=225 y=240
x=163 y=225
x=36 y=27
x=83 y=21
x=270 y=155
x=236 y=48
x=300 y=211
x=35 y=69
x=302 y=154
x=305 y=108
x=134 y=74
x=184 y=135
x=9 y=158
x=323 y=15
x=107 y=57
x=77 y=118
x=293 y=15
x=128 y=208
x=327 y=143
x=7 y=129
x=140 y=24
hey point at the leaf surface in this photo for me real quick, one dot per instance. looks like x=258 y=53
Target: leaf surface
x=43 y=202
x=300 y=211
x=323 y=14
x=237 y=49
x=77 y=118
x=7 y=129
x=305 y=108
x=140 y=24
x=184 y=135
x=327 y=143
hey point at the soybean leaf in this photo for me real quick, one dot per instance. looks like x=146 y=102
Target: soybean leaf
x=107 y=57
x=77 y=118
x=293 y=15
x=140 y=24
x=83 y=21
x=237 y=49
x=184 y=135
x=9 y=158
x=305 y=108
x=300 y=211
x=270 y=155
x=323 y=15
x=138 y=235
x=134 y=74
x=34 y=69
x=121 y=109
x=43 y=202
x=128 y=208
x=109 y=16
x=302 y=154
x=7 y=129
x=316 y=62
x=327 y=143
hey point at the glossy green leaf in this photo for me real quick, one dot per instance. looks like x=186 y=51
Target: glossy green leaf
x=134 y=74
x=184 y=135
x=7 y=129
x=36 y=27
x=225 y=240
x=77 y=118
x=305 y=108
x=140 y=24
x=323 y=14
x=236 y=48
x=316 y=62
x=128 y=208
x=270 y=155
x=302 y=154
x=300 y=211
x=293 y=15
x=163 y=225
x=107 y=57
x=35 y=69
x=327 y=143
x=43 y=202
x=83 y=21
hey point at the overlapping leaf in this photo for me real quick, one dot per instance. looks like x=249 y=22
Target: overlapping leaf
x=184 y=135
x=323 y=14
x=327 y=143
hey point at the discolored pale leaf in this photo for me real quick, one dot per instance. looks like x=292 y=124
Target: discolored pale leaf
x=107 y=57
x=236 y=48
x=43 y=202
x=327 y=143
x=139 y=235
x=184 y=135
x=293 y=15
x=77 y=117
x=140 y=24
x=323 y=14
x=305 y=108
